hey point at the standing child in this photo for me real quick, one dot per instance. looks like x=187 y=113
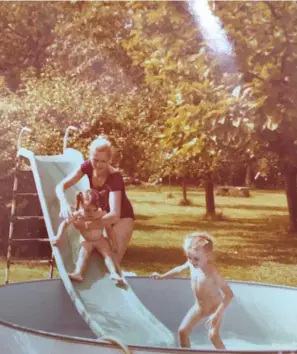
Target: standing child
x=87 y=206
x=206 y=283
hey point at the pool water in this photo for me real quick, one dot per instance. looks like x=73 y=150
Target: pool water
x=245 y=344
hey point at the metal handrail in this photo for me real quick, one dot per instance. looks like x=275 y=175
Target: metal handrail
x=116 y=341
x=71 y=127
x=24 y=129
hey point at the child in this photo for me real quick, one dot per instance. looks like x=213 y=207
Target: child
x=87 y=207
x=206 y=284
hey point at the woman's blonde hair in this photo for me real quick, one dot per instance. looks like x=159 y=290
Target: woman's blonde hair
x=197 y=241
x=101 y=143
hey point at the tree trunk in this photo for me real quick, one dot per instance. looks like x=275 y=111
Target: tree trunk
x=248 y=176
x=185 y=190
x=290 y=174
x=209 y=195
x=169 y=195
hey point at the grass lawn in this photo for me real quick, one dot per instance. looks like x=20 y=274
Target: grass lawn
x=251 y=241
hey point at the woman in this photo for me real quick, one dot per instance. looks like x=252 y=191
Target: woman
x=109 y=182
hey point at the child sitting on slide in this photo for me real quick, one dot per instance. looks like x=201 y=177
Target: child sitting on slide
x=88 y=206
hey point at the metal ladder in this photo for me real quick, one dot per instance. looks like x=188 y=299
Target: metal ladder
x=13 y=217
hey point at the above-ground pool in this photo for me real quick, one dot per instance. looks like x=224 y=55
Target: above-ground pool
x=39 y=318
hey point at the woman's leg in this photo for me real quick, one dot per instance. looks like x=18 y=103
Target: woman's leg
x=123 y=232
x=103 y=247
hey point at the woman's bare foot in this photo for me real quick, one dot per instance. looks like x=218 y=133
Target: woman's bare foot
x=76 y=276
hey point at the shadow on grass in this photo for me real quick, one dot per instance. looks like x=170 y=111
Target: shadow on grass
x=151 y=255
x=252 y=207
x=220 y=206
x=174 y=202
x=141 y=217
x=165 y=227
x=259 y=249
x=251 y=244
x=270 y=224
x=255 y=253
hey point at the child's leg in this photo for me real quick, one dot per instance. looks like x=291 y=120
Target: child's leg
x=61 y=232
x=84 y=253
x=214 y=336
x=193 y=316
x=104 y=249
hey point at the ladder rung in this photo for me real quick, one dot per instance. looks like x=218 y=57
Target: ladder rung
x=28 y=261
x=27 y=169
x=30 y=239
x=26 y=194
x=28 y=217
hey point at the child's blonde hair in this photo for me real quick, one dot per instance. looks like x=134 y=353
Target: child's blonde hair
x=101 y=143
x=197 y=241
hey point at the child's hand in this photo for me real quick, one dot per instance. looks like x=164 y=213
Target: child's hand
x=87 y=224
x=213 y=321
x=156 y=276
x=79 y=224
x=55 y=241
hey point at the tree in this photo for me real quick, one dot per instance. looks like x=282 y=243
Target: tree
x=202 y=118
x=265 y=44
x=26 y=33
x=87 y=80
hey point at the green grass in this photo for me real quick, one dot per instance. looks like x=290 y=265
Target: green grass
x=251 y=244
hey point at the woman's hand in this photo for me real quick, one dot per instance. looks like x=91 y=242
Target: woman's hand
x=65 y=210
x=83 y=224
x=93 y=224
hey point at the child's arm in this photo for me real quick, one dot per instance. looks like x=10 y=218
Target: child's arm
x=228 y=294
x=61 y=232
x=83 y=221
x=173 y=272
x=88 y=221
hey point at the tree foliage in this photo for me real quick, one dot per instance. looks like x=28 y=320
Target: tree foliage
x=152 y=77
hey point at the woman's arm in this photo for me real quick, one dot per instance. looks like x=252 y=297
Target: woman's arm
x=115 y=199
x=67 y=182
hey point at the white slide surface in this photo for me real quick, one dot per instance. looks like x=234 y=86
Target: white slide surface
x=109 y=310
